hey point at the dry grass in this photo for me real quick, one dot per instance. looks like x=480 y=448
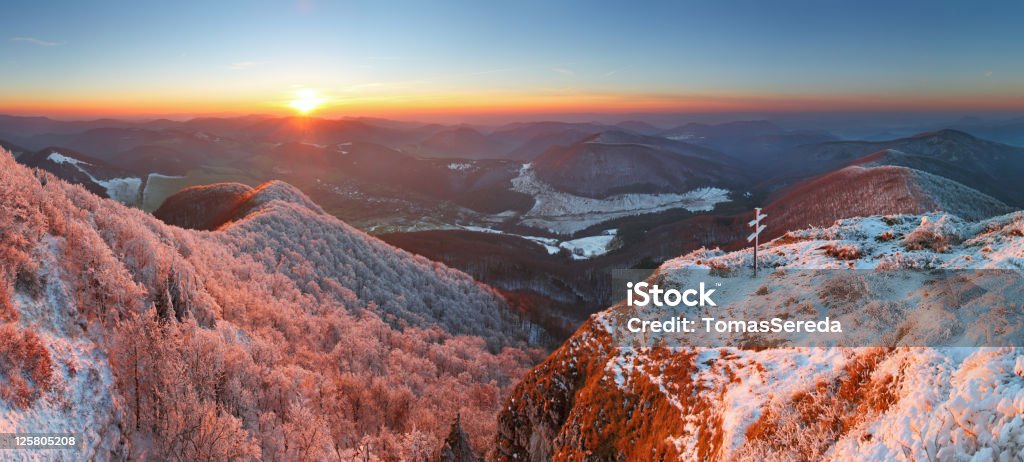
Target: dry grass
x=843 y=251
x=791 y=238
x=885 y=237
x=935 y=235
x=843 y=293
x=806 y=426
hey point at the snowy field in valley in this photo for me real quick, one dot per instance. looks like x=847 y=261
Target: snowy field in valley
x=580 y=249
x=565 y=213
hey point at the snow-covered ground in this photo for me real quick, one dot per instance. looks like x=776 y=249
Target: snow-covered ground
x=82 y=399
x=124 y=190
x=590 y=246
x=565 y=213
x=947 y=403
x=933 y=240
x=81 y=403
x=459 y=166
x=790 y=402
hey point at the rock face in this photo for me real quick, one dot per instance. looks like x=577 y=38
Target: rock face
x=456 y=446
x=594 y=400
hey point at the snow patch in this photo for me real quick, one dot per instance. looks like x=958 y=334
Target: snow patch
x=588 y=247
x=124 y=190
x=460 y=166
x=62 y=159
x=580 y=249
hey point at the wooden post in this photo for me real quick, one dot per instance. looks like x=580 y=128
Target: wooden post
x=755 y=236
x=755 y=255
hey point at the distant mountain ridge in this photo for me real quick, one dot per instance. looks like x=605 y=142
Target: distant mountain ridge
x=755 y=142
x=616 y=163
x=865 y=189
x=989 y=167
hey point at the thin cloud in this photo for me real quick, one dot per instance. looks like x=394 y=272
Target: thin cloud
x=563 y=71
x=988 y=73
x=611 y=72
x=36 y=41
x=243 y=65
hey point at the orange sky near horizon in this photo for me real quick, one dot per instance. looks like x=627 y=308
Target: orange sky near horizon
x=449 y=105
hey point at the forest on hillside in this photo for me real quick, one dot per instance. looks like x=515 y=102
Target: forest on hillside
x=174 y=344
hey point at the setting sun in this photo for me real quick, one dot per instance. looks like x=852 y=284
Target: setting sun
x=306 y=101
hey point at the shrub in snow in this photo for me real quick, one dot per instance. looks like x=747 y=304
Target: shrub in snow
x=720 y=268
x=25 y=366
x=805 y=426
x=842 y=292
x=885 y=237
x=7 y=309
x=842 y=251
x=934 y=234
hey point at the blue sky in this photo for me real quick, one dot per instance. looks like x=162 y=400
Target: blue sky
x=256 y=54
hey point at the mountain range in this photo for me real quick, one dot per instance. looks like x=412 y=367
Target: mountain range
x=585 y=197
x=289 y=288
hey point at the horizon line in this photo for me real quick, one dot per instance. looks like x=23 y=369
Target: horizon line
x=510 y=117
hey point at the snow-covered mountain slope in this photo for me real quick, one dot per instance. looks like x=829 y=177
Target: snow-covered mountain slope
x=986 y=166
x=594 y=400
x=285 y=335
x=863 y=190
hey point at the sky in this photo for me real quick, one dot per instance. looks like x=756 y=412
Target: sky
x=385 y=58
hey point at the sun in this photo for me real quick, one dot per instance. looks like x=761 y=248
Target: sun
x=306 y=101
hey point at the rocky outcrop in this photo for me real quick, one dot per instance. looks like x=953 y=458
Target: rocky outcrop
x=456 y=446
